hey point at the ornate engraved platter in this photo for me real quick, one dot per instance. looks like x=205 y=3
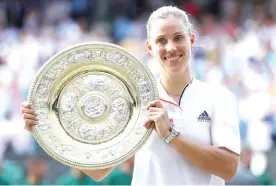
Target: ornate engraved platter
x=91 y=104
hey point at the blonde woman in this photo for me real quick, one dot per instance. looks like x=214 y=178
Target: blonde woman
x=199 y=146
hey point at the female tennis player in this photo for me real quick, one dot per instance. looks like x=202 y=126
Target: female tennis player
x=196 y=138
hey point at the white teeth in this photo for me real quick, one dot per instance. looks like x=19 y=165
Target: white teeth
x=172 y=58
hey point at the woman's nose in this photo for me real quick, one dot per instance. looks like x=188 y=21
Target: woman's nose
x=170 y=47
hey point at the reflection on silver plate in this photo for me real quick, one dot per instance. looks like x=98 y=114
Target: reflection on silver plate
x=91 y=104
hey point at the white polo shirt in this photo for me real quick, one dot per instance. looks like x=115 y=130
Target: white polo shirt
x=206 y=114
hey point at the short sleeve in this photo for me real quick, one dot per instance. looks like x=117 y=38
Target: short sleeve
x=225 y=122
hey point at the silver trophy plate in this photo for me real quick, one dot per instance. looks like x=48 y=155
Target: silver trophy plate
x=91 y=103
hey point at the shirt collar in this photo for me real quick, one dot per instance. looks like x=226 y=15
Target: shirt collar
x=164 y=95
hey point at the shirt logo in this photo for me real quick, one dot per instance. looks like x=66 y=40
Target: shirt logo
x=204 y=117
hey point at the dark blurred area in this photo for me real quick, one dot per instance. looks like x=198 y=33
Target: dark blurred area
x=235 y=48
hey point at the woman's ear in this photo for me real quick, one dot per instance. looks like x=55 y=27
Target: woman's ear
x=192 y=39
x=149 y=47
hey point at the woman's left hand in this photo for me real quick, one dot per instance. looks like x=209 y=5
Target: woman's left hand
x=158 y=114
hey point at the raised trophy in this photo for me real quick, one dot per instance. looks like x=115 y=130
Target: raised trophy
x=91 y=103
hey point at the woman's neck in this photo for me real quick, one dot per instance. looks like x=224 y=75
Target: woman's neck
x=175 y=83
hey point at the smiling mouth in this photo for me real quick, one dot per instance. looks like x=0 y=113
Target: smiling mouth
x=173 y=58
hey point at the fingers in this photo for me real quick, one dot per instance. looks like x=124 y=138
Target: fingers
x=26 y=108
x=29 y=123
x=152 y=118
x=30 y=117
x=154 y=114
x=155 y=103
x=28 y=111
x=155 y=109
x=27 y=105
x=149 y=123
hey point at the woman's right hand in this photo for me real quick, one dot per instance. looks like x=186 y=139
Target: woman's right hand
x=29 y=116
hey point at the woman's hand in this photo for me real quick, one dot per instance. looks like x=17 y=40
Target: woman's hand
x=29 y=116
x=158 y=115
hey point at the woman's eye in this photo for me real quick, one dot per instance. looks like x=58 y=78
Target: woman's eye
x=179 y=38
x=161 y=41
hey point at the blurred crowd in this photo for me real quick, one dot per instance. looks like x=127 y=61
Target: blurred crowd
x=235 y=48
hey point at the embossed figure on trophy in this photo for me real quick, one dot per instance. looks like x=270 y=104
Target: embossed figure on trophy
x=144 y=91
x=79 y=56
x=94 y=107
x=57 y=69
x=101 y=83
x=120 y=109
x=69 y=106
x=119 y=105
x=43 y=88
x=115 y=90
x=88 y=55
x=136 y=75
x=122 y=60
x=144 y=88
x=96 y=82
x=71 y=59
x=98 y=54
x=88 y=134
x=73 y=125
x=112 y=57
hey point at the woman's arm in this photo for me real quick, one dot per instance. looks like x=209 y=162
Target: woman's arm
x=214 y=158
x=218 y=161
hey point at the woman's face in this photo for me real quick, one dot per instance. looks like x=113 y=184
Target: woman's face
x=170 y=44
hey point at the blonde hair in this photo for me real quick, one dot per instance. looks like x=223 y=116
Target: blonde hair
x=165 y=12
